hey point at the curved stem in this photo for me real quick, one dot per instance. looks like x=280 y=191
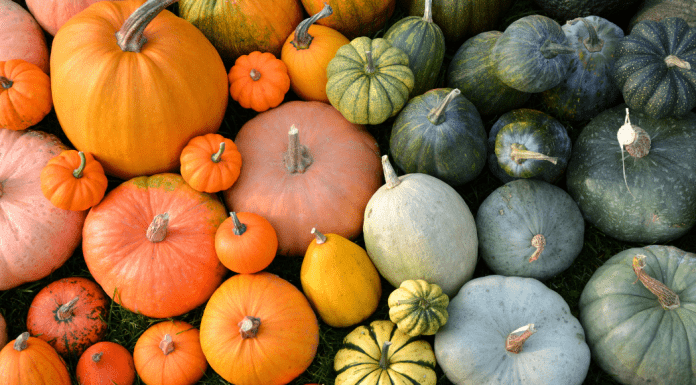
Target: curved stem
x=370 y=66
x=592 y=43
x=239 y=227
x=96 y=357
x=77 y=173
x=5 y=83
x=21 y=342
x=254 y=74
x=552 y=49
x=389 y=174
x=218 y=155
x=249 y=326
x=515 y=340
x=428 y=13
x=437 y=115
x=519 y=153
x=157 y=230
x=673 y=61
x=166 y=345
x=130 y=37
x=302 y=38
x=666 y=296
x=297 y=158
x=538 y=241
x=64 y=312
x=320 y=238
x=383 y=359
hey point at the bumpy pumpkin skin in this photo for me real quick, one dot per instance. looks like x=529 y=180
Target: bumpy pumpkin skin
x=25 y=94
x=36 y=362
x=21 y=36
x=631 y=335
x=354 y=18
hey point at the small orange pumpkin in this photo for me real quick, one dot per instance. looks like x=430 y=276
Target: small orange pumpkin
x=25 y=94
x=30 y=360
x=73 y=180
x=259 y=81
x=246 y=243
x=210 y=163
x=105 y=363
x=169 y=353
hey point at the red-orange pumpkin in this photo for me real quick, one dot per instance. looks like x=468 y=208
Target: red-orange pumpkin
x=21 y=36
x=210 y=163
x=354 y=18
x=73 y=180
x=148 y=82
x=25 y=94
x=259 y=81
x=150 y=244
x=105 y=363
x=320 y=176
x=29 y=360
x=246 y=243
x=52 y=14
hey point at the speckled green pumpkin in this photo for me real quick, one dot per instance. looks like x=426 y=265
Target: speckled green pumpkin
x=588 y=89
x=656 y=67
x=473 y=72
x=440 y=133
x=367 y=94
x=527 y=143
x=656 y=202
x=424 y=43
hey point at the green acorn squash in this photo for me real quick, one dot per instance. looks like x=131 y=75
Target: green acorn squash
x=418 y=307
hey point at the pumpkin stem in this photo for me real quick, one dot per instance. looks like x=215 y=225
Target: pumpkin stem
x=551 y=49
x=437 y=115
x=370 y=66
x=673 y=61
x=96 y=357
x=428 y=13
x=519 y=154
x=5 y=83
x=302 y=38
x=384 y=358
x=157 y=230
x=592 y=43
x=321 y=238
x=218 y=155
x=516 y=339
x=130 y=37
x=239 y=227
x=538 y=241
x=254 y=74
x=636 y=141
x=297 y=159
x=249 y=326
x=166 y=345
x=64 y=312
x=21 y=342
x=668 y=298
x=389 y=174
x=77 y=173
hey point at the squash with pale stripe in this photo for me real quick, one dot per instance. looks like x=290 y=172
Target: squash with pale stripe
x=418 y=307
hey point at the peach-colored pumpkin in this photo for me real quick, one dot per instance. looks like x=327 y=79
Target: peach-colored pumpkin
x=52 y=14
x=21 y=37
x=37 y=237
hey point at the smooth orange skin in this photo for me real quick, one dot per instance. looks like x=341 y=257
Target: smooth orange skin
x=28 y=100
x=37 y=364
x=353 y=18
x=59 y=185
x=114 y=367
x=199 y=170
x=307 y=66
x=250 y=252
x=264 y=93
x=21 y=36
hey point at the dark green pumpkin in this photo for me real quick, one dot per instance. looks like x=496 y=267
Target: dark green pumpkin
x=369 y=88
x=570 y=9
x=656 y=67
x=529 y=228
x=656 y=202
x=588 y=89
x=631 y=335
x=661 y=9
x=424 y=43
x=526 y=143
x=473 y=72
x=440 y=133
x=532 y=55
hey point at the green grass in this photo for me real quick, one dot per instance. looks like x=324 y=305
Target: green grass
x=125 y=327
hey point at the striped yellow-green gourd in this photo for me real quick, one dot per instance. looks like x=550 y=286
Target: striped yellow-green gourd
x=380 y=354
x=369 y=80
x=418 y=307
x=424 y=43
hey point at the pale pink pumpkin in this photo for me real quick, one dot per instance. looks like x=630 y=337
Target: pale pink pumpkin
x=21 y=37
x=52 y=14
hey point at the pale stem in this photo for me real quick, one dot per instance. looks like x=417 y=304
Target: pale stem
x=249 y=326
x=321 y=238
x=65 y=311
x=437 y=115
x=519 y=153
x=239 y=227
x=77 y=173
x=166 y=345
x=384 y=358
x=428 y=13
x=666 y=296
x=515 y=340
x=673 y=61
x=302 y=38
x=157 y=230
x=130 y=37
x=218 y=155
x=389 y=174
x=370 y=66
x=96 y=357
x=21 y=342
x=538 y=241
x=297 y=158
x=254 y=74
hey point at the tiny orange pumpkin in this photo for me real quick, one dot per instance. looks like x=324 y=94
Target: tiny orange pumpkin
x=210 y=163
x=246 y=243
x=73 y=180
x=259 y=81
x=25 y=94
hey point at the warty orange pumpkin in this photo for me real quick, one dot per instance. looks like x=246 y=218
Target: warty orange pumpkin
x=25 y=94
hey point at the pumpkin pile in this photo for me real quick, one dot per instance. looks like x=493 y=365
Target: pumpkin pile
x=379 y=192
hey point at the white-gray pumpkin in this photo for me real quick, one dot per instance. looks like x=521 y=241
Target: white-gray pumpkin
x=418 y=227
x=550 y=342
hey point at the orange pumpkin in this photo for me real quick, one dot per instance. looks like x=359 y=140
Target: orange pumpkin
x=246 y=243
x=210 y=163
x=278 y=332
x=105 y=363
x=29 y=360
x=73 y=180
x=259 y=81
x=354 y=18
x=140 y=98
x=307 y=52
x=21 y=36
x=150 y=244
x=25 y=94
x=320 y=176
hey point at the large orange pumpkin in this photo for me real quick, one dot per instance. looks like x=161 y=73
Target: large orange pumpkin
x=323 y=181
x=21 y=36
x=150 y=244
x=29 y=360
x=132 y=88
x=277 y=335
x=36 y=237
x=353 y=18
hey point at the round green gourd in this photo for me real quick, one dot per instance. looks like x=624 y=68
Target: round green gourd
x=418 y=307
x=529 y=228
x=424 y=43
x=418 y=227
x=546 y=342
x=638 y=313
x=656 y=67
x=650 y=196
x=526 y=143
x=532 y=55
x=369 y=80
x=472 y=71
x=440 y=133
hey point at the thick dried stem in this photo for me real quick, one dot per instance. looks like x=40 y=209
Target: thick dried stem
x=254 y=74
x=428 y=12
x=77 y=173
x=65 y=311
x=389 y=174
x=667 y=297
x=519 y=154
x=551 y=49
x=5 y=83
x=297 y=158
x=249 y=326
x=437 y=115
x=515 y=340
x=21 y=342
x=157 y=230
x=538 y=241
x=592 y=43
x=166 y=345
x=302 y=38
x=370 y=66
x=96 y=357
x=239 y=227
x=320 y=238
x=384 y=358
x=130 y=37
x=673 y=61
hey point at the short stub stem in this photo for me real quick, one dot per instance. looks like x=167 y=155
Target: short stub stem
x=515 y=340
x=96 y=357
x=65 y=311
x=673 y=61
x=538 y=241
x=370 y=66
x=21 y=342
x=157 y=230
x=167 y=344
x=249 y=326
x=5 y=83
x=320 y=238
x=254 y=74
x=239 y=227
x=389 y=174
x=297 y=158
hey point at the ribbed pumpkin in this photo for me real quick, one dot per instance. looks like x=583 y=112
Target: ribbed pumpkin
x=25 y=94
x=29 y=360
x=73 y=180
x=472 y=71
x=656 y=67
x=424 y=43
x=440 y=133
x=380 y=354
x=210 y=163
x=259 y=81
x=21 y=36
x=246 y=243
x=369 y=81
x=661 y=9
x=139 y=99
x=532 y=55
x=52 y=14
x=354 y=18
x=105 y=363
x=418 y=307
